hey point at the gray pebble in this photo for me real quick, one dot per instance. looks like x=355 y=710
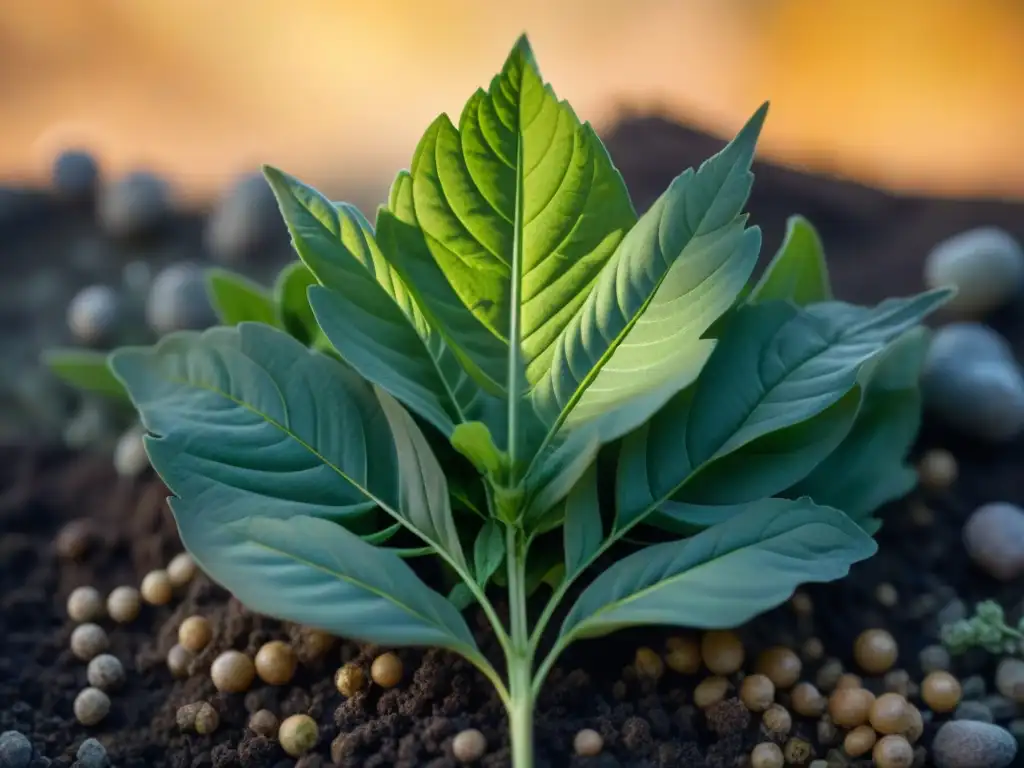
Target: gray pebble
x=1001 y=707
x=974 y=710
x=934 y=658
x=75 y=175
x=92 y=755
x=1016 y=727
x=985 y=264
x=246 y=218
x=953 y=611
x=134 y=205
x=15 y=750
x=970 y=744
x=973 y=687
x=93 y=314
x=973 y=382
x=178 y=300
x=994 y=538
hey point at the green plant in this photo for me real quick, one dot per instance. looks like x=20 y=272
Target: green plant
x=986 y=629
x=526 y=374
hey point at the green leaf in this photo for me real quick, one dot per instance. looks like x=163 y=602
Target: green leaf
x=637 y=339
x=488 y=551
x=246 y=418
x=778 y=366
x=725 y=575
x=237 y=299
x=422 y=486
x=557 y=471
x=798 y=272
x=868 y=469
x=582 y=532
x=367 y=313
x=519 y=209
x=316 y=573
x=85 y=370
x=473 y=440
x=294 y=313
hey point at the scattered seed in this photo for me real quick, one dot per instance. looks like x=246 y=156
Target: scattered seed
x=808 y=701
x=648 y=664
x=232 y=672
x=941 y=691
x=777 y=721
x=264 y=723
x=875 y=651
x=813 y=649
x=469 y=745
x=860 y=741
x=757 y=692
x=767 y=755
x=74 y=539
x=276 y=663
x=1010 y=679
x=886 y=594
x=185 y=717
x=350 y=679
x=314 y=644
x=298 y=734
x=88 y=640
x=588 y=743
x=709 y=691
x=91 y=706
x=105 y=672
x=829 y=674
x=156 y=588
x=915 y=727
x=893 y=752
x=849 y=680
x=933 y=658
x=85 y=604
x=797 y=751
x=781 y=665
x=722 y=652
x=181 y=570
x=937 y=469
x=207 y=719
x=195 y=633
x=683 y=655
x=179 y=659
x=849 y=707
x=386 y=670
x=123 y=604
x=889 y=714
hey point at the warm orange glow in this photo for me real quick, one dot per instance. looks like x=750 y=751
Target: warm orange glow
x=920 y=94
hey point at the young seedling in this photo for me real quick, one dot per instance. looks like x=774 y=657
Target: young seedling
x=524 y=377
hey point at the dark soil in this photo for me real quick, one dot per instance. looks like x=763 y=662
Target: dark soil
x=876 y=244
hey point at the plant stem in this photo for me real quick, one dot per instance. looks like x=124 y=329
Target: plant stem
x=520 y=711
x=520 y=660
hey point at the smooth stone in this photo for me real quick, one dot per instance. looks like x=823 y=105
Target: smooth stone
x=93 y=314
x=1010 y=679
x=178 y=300
x=985 y=264
x=994 y=538
x=973 y=382
x=934 y=658
x=15 y=750
x=75 y=174
x=246 y=218
x=92 y=755
x=974 y=710
x=1000 y=706
x=130 y=459
x=973 y=687
x=134 y=205
x=971 y=744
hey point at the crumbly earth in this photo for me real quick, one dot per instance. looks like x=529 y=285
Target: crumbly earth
x=876 y=245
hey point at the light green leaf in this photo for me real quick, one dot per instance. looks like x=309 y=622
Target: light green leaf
x=294 y=313
x=798 y=272
x=725 y=575
x=488 y=551
x=237 y=299
x=637 y=339
x=778 y=366
x=868 y=469
x=461 y=596
x=85 y=370
x=367 y=313
x=582 y=532
x=557 y=471
x=316 y=573
x=422 y=486
x=520 y=207
x=473 y=440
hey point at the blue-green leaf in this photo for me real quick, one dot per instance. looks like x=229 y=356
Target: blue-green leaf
x=316 y=573
x=637 y=339
x=237 y=299
x=488 y=551
x=294 y=313
x=556 y=472
x=582 y=532
x=798 y=272
x=725 y=575
x=86 y=370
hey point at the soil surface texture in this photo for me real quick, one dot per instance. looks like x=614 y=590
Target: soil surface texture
x=876 y=245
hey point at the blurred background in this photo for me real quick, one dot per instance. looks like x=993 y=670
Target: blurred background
x=916 y=95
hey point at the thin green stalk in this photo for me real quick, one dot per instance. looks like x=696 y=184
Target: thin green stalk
x=515 y=558
x=520 y=660
x=520 y=711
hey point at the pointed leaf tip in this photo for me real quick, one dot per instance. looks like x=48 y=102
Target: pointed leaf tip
x=524 y=51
